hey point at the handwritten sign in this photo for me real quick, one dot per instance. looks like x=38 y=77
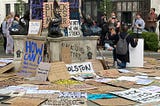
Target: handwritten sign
x=64 y=12
x=32 y=57
x=74 y=29
x=48 y=13
x=139 y=95
x=77 y=68
x=42 y=71
x=34 y=27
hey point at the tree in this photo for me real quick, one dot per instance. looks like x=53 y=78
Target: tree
x=106 y=7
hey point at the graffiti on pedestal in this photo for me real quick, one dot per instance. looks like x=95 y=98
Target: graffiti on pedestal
x=77 y=51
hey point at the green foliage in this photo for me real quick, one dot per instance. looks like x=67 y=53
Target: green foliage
x=150 y=40
x=106 y=7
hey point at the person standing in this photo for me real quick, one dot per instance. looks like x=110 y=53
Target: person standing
x=151 y=20
x=138 y=26
x=105 y=30
x=114 y=28
x=4 y=31
x=10 y=43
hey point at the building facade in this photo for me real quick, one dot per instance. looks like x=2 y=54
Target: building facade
x=125 y=9
x=8 y=6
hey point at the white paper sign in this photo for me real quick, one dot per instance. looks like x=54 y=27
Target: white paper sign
x=78 y=68
x=154 y=89
x=136 y=55
x=42 y=71
x=72 y=95
x=34 y=27
x=74 y=29
x=139 y=95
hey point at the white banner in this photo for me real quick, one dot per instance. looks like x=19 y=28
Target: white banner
x=74 y=29
x=77 y=68
x=139 y=95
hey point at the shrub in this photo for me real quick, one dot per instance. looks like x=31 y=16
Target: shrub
x=150 y=41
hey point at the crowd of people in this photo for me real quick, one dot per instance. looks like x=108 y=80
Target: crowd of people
x=13 y=24
x=111 y=32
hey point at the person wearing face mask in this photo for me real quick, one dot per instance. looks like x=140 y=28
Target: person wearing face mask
x=151 y=20
x=114 y=22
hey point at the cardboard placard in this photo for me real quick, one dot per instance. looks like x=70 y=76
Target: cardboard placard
x=58 y=71
x=114 y=102
x=74 y=29
x=66 y=55
x=48 y=13
x=24 y=101
x=111 y=73
x=32 y=57
x=6 y=68
x=42 y=71
x=79 y=68
x=35 y=27
x=97 y=65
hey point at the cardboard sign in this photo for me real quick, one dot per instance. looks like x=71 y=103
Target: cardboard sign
x=66 y=55
x=32 y=57
x=24 y=101
x=36 y=9
x=64 y=12
x=114 y=102
x=139 y=95
x=77 y=68
x=57 y=98
x=74 y=29
x=58 y=72
x=35 y=27
x=48 y=13
x=42 y=71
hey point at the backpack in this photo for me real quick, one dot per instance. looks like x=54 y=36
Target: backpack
x=122 y=46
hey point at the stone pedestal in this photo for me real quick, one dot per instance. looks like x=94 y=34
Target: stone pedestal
x=19 y=47
x=137 y=55
x=81 y=47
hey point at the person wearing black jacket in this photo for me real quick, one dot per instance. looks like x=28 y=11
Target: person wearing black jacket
x=123 y=59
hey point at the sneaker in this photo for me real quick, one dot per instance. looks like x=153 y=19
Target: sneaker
x=115 y=65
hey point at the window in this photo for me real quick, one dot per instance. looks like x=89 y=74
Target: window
x=8 y=9
x=90 y=8
x=18 y=9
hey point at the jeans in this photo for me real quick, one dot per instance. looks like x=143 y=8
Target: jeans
x=121 y=64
